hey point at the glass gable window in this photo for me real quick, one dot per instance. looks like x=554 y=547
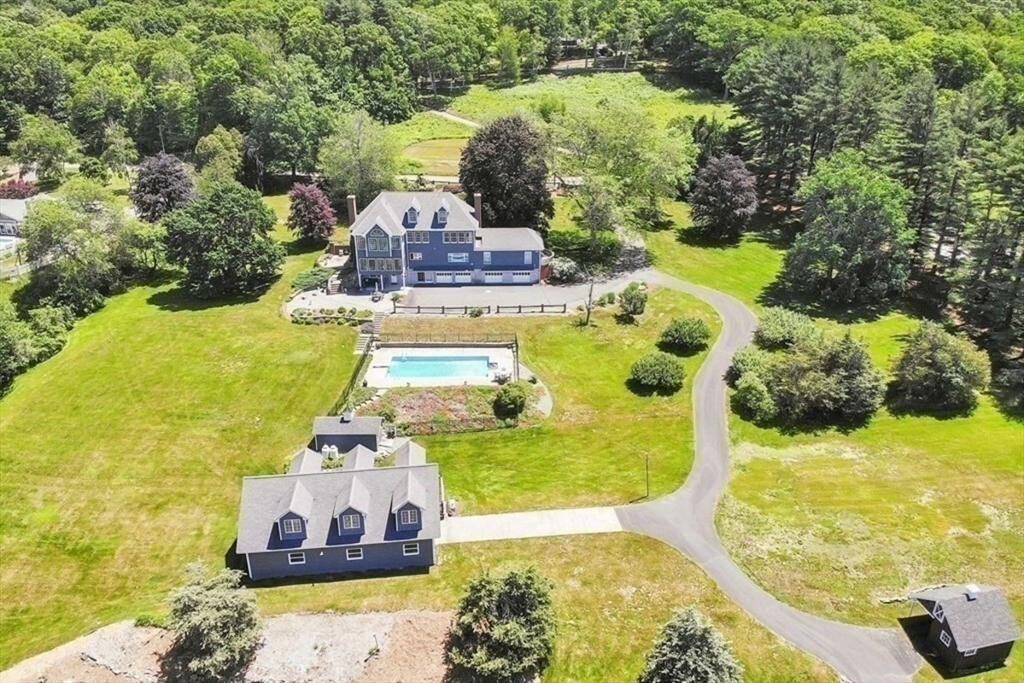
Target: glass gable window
x=292 y=526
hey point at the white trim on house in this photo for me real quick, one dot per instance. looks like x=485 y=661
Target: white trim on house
x=944 y=637
x=297 y=558
x=350 y=521
x=410 y=549
x=290 y=528
x=939 y=614
x=353 y=553
x=248 y=565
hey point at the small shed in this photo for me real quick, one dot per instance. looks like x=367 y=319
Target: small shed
x=972 y=626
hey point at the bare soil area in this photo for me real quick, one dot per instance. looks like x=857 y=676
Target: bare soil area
x=379 y=647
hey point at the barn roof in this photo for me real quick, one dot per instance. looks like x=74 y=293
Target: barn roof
x=978 y=616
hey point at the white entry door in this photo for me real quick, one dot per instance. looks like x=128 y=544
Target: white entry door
x=443 y=278
x=464 y=277
x=492 y=277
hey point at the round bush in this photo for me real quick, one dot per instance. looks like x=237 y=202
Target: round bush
x=781 y=328
x=749 y=359
x=563 y=269
x=510 y=401
x=753 y=400
x=658 y=372
x=686 y=334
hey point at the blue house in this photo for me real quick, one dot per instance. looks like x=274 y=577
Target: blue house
x=404 y=239
x=359 y=517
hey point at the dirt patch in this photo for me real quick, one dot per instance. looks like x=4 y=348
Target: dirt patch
x=297 y=648
x=449 y=410
x=415 y=650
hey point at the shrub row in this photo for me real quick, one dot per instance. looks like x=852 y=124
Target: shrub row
x=18 y=189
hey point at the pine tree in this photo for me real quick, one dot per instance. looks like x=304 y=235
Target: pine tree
x=690 y=650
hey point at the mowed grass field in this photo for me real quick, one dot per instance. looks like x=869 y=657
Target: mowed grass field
x=832 y=522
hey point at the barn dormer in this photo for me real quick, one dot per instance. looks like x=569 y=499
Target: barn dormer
x=408 y=503
x=352 y=507
x=293 y=511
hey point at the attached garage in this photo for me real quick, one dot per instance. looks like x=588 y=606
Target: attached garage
x=464 y=277
x=522 y=276
x=443 y=278
x=492 y=277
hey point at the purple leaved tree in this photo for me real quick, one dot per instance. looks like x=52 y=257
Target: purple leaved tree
x=311 y=216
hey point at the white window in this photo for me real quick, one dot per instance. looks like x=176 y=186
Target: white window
x=463 y=237
x=939 y=614
x=442 y=215
x=970 y=653
x=944 y=637
x=410 y=215
x=296 y=558
x=410 y=517
x=487 y=258
x=410 y=549
x=363 y=264
x=415 y=256
x=418 y=237
x=354 y=554
x=292 y=526
x=361 y=243
x=350 y=521
x=458 y=258
x=527 y=258
x=371 y=243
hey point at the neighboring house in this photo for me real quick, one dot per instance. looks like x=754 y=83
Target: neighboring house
x=357 y=518
x=12 y=215
x=972 y=626
x=344 y=432
x=425 y=238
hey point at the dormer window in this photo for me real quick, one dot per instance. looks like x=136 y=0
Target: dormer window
x=292 y=526
x=410 y=517
x=411 y=216
x=350 y=522
x=442 y=216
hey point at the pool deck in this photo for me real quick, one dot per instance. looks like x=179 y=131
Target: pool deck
x=500 y=360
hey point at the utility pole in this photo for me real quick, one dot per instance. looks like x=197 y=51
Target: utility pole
x=647 y=472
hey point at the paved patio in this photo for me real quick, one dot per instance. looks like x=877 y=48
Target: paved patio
x=529 y=525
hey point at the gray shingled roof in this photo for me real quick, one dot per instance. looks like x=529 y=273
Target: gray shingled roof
x=296 y=499
x=15 y=209
x=354 y=494
x=259 y=509
x=306 y=460
x=387 y=210
x=983 y=621
x=410 y=490
x=410 y=453
x=334 y=424
x=359 y=458
x=508 y=239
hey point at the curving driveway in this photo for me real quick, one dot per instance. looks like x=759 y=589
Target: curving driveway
x=685 y=520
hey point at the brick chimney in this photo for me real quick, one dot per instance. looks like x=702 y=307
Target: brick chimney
x=351 y=201
x=478 y=209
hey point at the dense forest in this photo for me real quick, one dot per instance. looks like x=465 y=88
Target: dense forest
x=927 y=95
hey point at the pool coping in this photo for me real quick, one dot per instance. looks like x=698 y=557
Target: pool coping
x=500 y=359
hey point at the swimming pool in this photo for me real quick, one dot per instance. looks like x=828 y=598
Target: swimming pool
x=437 y=367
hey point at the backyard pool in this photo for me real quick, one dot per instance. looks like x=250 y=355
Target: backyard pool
x=438 y=367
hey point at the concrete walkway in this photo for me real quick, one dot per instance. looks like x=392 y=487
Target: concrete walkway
x=685 y=520
x=535 y=524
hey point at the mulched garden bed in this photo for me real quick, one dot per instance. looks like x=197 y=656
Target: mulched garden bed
x=445 y=410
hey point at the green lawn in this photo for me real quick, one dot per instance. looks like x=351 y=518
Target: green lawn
x=483 y=103
x=435 y=157
x=832 y=522
x=426 y=126
x=588 y=452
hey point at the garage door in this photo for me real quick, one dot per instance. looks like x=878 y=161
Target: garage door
x=464 y=276
x=443 y=278
x=522 y=276
x=492 y=277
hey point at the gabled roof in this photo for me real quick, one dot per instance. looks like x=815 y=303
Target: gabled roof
x=261 y=497
x=336 y=425
x=509 y=239
x=409 y=490
x=306 y=460
x=15 y=209
x=985 y=619
x=410 y=453
x=359 y=458
x=296 y=500
x=354 y=495
x=388 y=210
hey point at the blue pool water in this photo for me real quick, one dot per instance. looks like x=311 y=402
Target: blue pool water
x=435 y=367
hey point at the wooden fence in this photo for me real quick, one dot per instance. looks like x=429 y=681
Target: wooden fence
x=484 y=310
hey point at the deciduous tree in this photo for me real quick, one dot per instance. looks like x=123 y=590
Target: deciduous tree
x=44 y=145
x=359 y=158
x=724 y=198
x=940 y=372
x=222 y=241
x=310 y=215
x=505 y=162
x=162 y=185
